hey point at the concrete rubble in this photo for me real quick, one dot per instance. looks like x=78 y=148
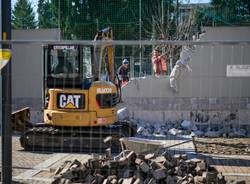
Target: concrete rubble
x=186 y=127
x=131 y=168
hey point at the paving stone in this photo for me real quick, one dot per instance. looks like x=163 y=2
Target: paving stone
x=202 y=165
x=151 y=181
x=144 y=167
x=159 y=174
x=172 y=179
x=149 y=156
x=128 y=180
x=138 y=181
x=159 y=159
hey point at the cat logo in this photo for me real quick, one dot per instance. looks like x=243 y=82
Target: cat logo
x=70 y=101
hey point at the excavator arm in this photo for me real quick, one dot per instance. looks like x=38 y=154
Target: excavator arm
x=104 y=57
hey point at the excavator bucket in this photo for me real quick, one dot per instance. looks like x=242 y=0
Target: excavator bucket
x=21 y=120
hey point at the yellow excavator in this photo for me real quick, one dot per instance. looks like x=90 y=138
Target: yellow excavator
x=80 y=101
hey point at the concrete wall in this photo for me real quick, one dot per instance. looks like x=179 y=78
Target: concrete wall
x=27 y=69
x=206 y=93
x=206 y=89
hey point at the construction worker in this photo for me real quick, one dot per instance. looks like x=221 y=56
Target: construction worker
x=181 y=65
x=63 y=66
x=159 y=63
x=123 y=73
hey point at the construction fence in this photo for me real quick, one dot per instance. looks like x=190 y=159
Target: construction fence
x=212 y=101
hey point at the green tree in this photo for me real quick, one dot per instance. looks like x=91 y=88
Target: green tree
x=233 y=11
x=81 y=19
x=23 y=16
x=46 y=15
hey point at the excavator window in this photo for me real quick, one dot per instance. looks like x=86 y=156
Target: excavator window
x=64 y=63
x=86 y=60
x=107 y=100
x=68 y=66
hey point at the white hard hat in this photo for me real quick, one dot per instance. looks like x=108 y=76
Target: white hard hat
x=125 y=61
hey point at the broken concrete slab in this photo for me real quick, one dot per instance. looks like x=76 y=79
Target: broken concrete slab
x=123 y=113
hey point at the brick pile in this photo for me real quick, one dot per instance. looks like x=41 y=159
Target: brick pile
x=131 y=168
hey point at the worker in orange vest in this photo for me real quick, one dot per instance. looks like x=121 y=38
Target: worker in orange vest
x=159 y=63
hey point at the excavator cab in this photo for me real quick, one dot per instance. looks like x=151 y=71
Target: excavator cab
x=68 y=66
x=79 y=84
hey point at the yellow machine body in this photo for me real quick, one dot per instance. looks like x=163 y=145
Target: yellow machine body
x=69 y=113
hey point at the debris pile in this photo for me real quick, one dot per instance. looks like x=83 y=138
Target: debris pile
x=129 y=167
x=185 y=127
x=223 y=146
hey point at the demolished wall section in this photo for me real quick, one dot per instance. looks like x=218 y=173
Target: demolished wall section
x=205 y=95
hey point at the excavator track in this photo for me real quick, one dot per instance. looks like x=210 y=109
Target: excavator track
x=76 y=139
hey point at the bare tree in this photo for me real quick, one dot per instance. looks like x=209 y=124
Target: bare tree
x=168 y=20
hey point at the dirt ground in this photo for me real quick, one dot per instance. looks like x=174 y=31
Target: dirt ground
x=224 y=146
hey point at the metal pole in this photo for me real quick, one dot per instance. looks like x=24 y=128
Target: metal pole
x=162 y=13
x=140 y=25
x=0 y=70
x=6 y=101
x=177 y=13
x=97 y=25
x=1 y=20
x=59 y=19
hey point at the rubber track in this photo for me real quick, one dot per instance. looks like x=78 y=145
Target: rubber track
x=75 y=139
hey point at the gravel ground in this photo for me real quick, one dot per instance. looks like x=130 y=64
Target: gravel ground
x=224 y=146
x=22 y=160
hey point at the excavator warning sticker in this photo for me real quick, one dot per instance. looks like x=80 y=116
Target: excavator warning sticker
x=5 y=56
x=70 y=101
x=104 y=90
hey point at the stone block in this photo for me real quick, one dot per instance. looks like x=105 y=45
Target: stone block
x=127 y=180
x=138 y=181
x=159 y=174
x=155 y=165
x=172 y=179
x=199 y=180
x=149 y=156
x=131 y=157
x=105 y=181
x=99 y=178
x=159 y=159
x=144 y=167
x=128 y=173
x=168 y=164
x=202 y=165
x=209 y=177
x=151 y=181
